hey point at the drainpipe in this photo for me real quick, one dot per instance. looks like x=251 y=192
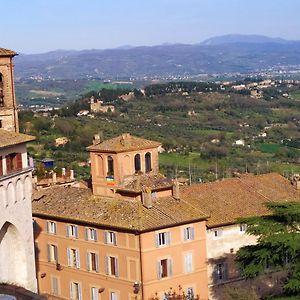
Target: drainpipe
x=13 y=95
x=141 y=264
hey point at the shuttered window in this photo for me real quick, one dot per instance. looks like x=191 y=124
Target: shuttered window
x=112 y=266
x=162 y=239
x=54 y=286
x=164 y=268
x=188 y=262
x=188 y=233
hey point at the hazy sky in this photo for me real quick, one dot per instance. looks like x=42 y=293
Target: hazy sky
x=34 y=26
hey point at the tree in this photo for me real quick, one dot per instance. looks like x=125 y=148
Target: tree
x=278 y=244
x=171 y=294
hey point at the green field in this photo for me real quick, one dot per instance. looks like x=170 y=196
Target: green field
x=295 y=95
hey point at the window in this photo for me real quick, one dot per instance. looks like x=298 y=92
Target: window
x=111 y=266
x=13 y=162
x=113 y=296
x=164 y=268
x=72 y=231
x=162 y=239
x=54 y=286
x=243 y=227
x=189 y=293
x=137 y=163
x=148 y=166
x=110 y=166
x=221 y=271
x=91 y=234
x=188 y=233
x=51 y=227
x=92 y=262
x=218 y=233
x=110 y=237
x=94 y=293
x=188 y=262
x=75 y=291
x=0 y=120
x=52 y=253
x=73 y=258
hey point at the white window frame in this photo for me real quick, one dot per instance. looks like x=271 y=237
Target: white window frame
x=188 y=233
x=110 y=237
x=51 y=227
x=108 y=269
x=90 y=234
x=73 y=258
x=53 y=290
x=89 y=261
x=188 y=262
x=95 y=293
x=75 y=285
x=160 y=268
x=113 y=295
x=52 y=253
x=162 y=239
x=72 y=231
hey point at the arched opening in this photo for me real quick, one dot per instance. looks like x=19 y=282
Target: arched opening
x=110 y=166
x=27 y=188
x=20 y=191
x=3 y=196
x=12 y=256
x=137 y=163
x=10 y=194
x=99 y=166
x=148 y=166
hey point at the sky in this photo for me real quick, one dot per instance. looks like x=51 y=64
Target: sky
x=36 y=26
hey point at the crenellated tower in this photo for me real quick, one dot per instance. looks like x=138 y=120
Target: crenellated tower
x=8 y=107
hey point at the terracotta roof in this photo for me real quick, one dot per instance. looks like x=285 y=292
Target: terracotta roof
x=79 y=204
x=137 y=183
x=123 y=143
x=225 y=201
x=10 y=138
x=7 y=52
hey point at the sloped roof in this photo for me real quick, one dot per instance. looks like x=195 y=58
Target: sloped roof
x=123 y=143
x=7 y=52
x=10 y=138
x=138 y=182
x=77 y=204
x=225 y=201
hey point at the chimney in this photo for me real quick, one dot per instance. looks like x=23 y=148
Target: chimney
x=175 y=190
x=54 y=178
x=125 y=139
x=63 y=171
x=296 y=181
x=72 y=174
x=97 y=139
x=146 y=198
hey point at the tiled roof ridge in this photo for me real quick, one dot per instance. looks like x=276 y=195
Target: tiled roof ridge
x=7 y=52
x=253 y=189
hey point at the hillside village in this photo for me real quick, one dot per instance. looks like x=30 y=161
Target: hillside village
x=130 y=232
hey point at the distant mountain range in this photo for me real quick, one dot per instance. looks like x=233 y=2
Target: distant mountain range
x=223 y=54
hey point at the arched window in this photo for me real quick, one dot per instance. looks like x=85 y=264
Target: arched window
x=110 y=166
x=148 y=162
x=137 y=163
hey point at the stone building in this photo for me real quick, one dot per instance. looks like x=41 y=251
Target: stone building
x=17 y=262
x=8 y=107
x=226 y=201
x=130 y=238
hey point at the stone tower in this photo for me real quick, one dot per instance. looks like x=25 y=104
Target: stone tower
x=8 y=107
